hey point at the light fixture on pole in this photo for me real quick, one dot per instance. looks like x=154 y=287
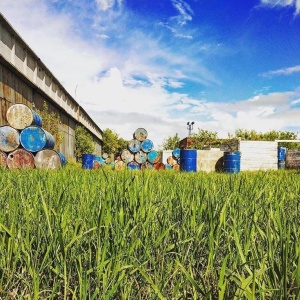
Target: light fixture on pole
x=190 y=127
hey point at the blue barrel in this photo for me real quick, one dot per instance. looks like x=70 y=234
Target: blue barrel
x=35 y=138
x=9 y=138
x=281 y=153
x=188 y=160
x=147 y=145
x=176 y=153
x=88 y=161
x=133 y=165
x=62 y=158
x=232 y=162
x=134 y=146
x=20 y=116
x=154 y=156
x=281 y=164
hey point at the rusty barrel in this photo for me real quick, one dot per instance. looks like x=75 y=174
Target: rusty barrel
x=154 y=156
x=140 y=157
x=3 y=158
x=140 y=134
x=120 y=165
x=48 y=159
x=292 y=159
x=147 y=165
x=159 y=166
x=147 y=145
x=35 y=138
x=20 y=116
x=171 y=160
x=127 y=156
x=20 y=159
x=9 y=138
x=134 y=146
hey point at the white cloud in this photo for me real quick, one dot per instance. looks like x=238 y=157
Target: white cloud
x=107 y=4
x=282 y=3
x=285 y=71
x=185 y=11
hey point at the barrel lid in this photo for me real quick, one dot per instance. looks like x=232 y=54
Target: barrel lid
x=147 y=145
x=153 y=156
x=9 y=138
x=140 y=157
x=47 y=159
x=134 y=145
x=19 y=116
x=127 y=156
x=19 y=159
x=140 y=134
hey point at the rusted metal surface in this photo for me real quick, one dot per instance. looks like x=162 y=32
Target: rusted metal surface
x=154 y=157
x=20 y=159
x=9 y=138
x=127 y=156
x=147 y=165
x=171 y=160
x=20 y=116
x=292 y=159
x=120 y=165
x=134 y=146
x=3 y=158
x=35 y=138
x=159 y=166
x=176 y=167
x=140 y=157
x=47 y=159
x=140 y=134
x=96 y=165
x=147 y=145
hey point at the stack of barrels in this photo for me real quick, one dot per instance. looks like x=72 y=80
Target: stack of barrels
x=25 y=144
x=140 y=153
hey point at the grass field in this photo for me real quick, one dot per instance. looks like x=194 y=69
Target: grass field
x=104 y=234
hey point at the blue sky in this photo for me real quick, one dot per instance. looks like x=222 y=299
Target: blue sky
x=225 y=65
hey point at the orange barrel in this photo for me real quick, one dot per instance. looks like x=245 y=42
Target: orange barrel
x=47 y=159
x=140 y=134
x=140 y=157
x=19 y=159
x=9 y=138
x=171 y=160
x=3 y=158
x=153 y=156
x=127 y=156
x=120 y=165
x=35 y=138
x=134 y=146
x=147 y=145
x=20 y=116
x=159 y=166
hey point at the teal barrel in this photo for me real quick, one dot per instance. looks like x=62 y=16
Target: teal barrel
x=232 y=162
x=20 y=116
x=34 y=139
x=154 y=156
x=176 y=153
x=88 y=161
x=9 y=138
x=188 y=160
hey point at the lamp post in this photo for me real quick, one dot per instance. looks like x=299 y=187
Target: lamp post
x=190 y=127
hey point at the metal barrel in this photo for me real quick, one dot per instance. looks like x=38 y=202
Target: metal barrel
x=176 y=153
x=133 y=165
x=134 y=145
x=292 y=159
x=176 y=167
x=154 y=156
x=88 y=161
x=171 y=161
x=147 y=165
x=141 y=157
x=120 y=165
x=159 y=166
x=9 y=138
x=62 y=158
x=20 y=116
x=140 y=134
x=3 y=158
x=20 y=159
x=47 y=159
x=281 y=164
x=281 y=153
x=147 y=145
x=100 y=159
x=127 y=156
x=168 y=167
x=188 y=160
x=96 y=164
x=232 y=162
x=35 y=138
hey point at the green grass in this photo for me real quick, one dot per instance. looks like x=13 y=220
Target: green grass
x=103 y=234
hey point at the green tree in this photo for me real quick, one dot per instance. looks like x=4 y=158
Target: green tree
x=171 y=143
x=112 y=143
x=205 y=139
x=272 y=135
x=83 y=142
